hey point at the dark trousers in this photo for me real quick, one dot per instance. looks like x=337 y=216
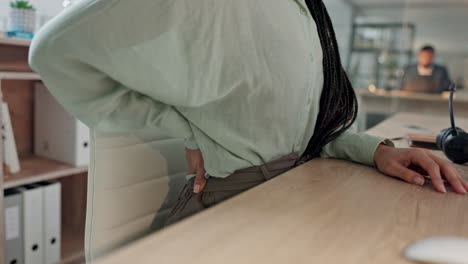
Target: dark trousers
x=220 y=189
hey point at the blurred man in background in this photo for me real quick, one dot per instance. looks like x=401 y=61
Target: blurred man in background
x=426 y=76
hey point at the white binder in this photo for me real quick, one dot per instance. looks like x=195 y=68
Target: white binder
x=10 y=154
x=57 y=134
x=33 y=224
x=52 y=224
x=13 y=214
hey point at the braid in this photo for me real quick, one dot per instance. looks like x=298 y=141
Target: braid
x=338 y=103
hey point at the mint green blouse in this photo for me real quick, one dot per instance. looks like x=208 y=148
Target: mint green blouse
x=240 y=80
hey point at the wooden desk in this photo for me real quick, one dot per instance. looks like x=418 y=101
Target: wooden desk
x=325 y=211
x=389 y=102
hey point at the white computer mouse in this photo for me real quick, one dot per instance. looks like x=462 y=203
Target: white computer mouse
x=443 y=250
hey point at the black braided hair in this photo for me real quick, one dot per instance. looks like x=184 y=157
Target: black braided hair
x=338 y=103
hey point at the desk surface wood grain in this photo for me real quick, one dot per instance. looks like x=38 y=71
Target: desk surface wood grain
x=325 y=211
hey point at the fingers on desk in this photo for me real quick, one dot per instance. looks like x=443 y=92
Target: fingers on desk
x=422 y=159
x=408 y=175
x=465 y=183
x=451 y=175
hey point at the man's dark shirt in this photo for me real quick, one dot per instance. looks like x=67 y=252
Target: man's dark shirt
x=438 y=82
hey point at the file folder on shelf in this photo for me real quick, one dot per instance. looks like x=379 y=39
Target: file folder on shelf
x=10 y=154
x=13 y=218
x=33 y=236
x=57 y=134
x=52 y=221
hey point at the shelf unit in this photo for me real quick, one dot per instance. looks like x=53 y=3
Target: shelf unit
x=16 y=88
x=72 y=250
x=24 y=76
x=387 y=47
x=14 y=41
x=36 y=169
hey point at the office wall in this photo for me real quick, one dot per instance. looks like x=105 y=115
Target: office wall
x=49 y=8
x=444 y=27
x=455 y=63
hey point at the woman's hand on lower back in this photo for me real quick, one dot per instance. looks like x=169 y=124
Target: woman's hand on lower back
x=196 y=166
x=411 y=164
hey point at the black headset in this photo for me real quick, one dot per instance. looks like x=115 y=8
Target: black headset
x=453 y=141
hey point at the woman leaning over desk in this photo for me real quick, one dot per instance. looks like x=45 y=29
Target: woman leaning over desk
x=254 y=87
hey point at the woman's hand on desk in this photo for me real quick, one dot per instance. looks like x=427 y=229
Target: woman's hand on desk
x=196 y=166
x=411 y=164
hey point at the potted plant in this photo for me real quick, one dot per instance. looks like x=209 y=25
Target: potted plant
x=22 y=17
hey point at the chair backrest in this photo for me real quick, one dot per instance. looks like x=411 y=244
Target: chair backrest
x=133 y=181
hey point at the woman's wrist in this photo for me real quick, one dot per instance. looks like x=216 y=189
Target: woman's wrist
x=381 y=149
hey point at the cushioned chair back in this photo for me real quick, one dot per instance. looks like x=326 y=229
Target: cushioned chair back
x=133 y=181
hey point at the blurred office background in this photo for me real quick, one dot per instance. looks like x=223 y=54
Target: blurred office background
x=386 y=36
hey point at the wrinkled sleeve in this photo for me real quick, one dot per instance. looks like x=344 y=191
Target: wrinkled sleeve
x=79 y=56
x=357 y=147
x=191 y=143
